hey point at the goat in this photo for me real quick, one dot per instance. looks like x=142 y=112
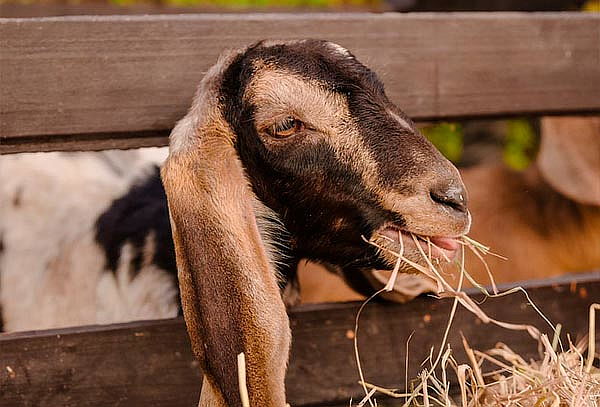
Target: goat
x=291 y=150
x=551 y=211
x=55 y=212
x=545 y=220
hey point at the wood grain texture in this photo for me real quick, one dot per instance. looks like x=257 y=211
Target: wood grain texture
x=149 y=363
x=84 y=142
x=28 y=10
x=121 y=74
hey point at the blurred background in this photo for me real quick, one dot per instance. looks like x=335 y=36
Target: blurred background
x=32 y=8
x=497 y=156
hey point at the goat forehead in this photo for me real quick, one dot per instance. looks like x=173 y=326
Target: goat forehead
x=330 y=64
x=274 y=92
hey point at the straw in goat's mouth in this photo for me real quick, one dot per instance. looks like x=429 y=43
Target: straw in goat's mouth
x=563 y=378
x=438 y=248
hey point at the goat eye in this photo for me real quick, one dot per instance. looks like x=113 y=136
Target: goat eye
x=286 y=128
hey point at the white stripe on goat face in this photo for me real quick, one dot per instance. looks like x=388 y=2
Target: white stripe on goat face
x=400 y=120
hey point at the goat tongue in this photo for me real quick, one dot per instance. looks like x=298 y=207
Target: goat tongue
x=447 y=243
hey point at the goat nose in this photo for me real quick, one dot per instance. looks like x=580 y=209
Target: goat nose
x=450 y=194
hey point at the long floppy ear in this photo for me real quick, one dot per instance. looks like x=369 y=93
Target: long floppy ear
x=569 y=157
x=229 y=292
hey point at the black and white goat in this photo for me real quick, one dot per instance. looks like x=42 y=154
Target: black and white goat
x=57 y=262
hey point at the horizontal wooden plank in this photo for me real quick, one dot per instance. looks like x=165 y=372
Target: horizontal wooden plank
x=28 y=10
x=149 y=363
x=122 y=74
x=58 y=9
x=84 y=142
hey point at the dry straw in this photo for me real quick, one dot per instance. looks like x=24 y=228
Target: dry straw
x=563 y=377
x=243 y=385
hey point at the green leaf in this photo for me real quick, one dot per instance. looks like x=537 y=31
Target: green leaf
x=520 y=144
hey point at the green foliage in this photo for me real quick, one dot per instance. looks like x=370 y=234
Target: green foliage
x=123 y=2
x=520 y=144
x=448 y=138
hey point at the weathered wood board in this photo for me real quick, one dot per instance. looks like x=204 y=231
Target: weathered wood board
x=106 y=78
x=149 y=363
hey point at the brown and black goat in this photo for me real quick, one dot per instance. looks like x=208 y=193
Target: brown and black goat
x=545 y=220
x=291 y=150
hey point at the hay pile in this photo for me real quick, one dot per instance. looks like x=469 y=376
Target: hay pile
x=564 y=376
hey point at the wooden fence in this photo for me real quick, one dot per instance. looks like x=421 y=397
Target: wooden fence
x=149 y=363
x=76 y=83
x=88 y=83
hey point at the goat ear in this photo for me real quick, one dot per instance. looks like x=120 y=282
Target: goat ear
x=229 y=293
x=569 y=157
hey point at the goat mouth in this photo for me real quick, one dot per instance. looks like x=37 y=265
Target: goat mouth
x=441 y=248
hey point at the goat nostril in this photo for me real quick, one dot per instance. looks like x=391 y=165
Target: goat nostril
x=452 y=196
